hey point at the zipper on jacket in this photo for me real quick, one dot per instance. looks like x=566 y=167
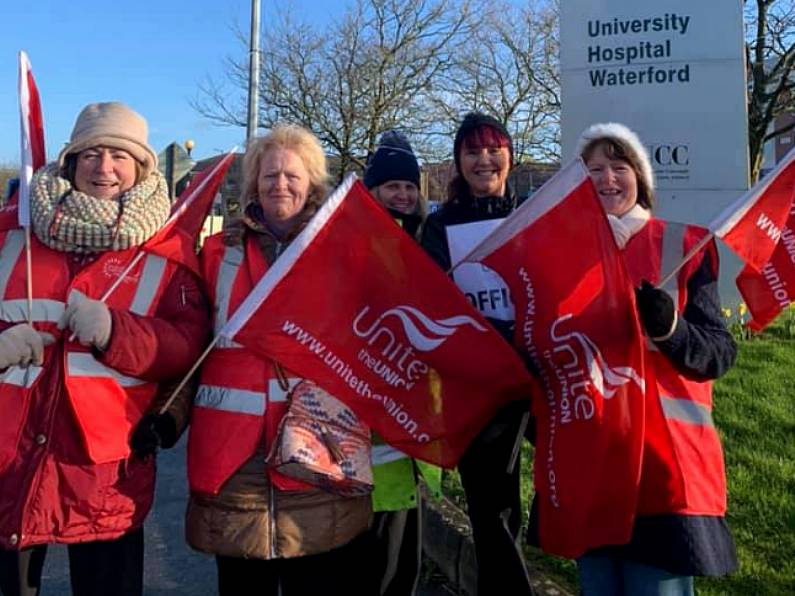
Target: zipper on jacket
x=273 y=520
x=271 y=491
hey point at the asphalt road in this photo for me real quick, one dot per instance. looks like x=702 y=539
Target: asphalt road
x=170 y=567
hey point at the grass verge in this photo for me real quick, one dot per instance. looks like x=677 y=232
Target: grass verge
x=755 y=414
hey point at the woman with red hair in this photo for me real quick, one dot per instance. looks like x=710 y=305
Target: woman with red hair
x=479 y=193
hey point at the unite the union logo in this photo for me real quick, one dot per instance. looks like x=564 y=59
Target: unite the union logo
x=394 y=338
x=585 y=367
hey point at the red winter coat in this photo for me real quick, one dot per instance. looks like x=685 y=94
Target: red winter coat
x=52 y=492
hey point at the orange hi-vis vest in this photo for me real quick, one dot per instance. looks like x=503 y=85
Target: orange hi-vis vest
x=683 y=470
x=239 y=403
x=107 y=404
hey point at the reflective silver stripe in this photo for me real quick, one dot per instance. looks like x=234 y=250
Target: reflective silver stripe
x=13 y=311
x=83 y=364
x=230 y=263
x=384 y=454
x=673 y=243
x=275 y=391
x=9 y=255
x=21 y=377
x=151 y=276
x=686 y=410
x=225 y=343
x=230 y=400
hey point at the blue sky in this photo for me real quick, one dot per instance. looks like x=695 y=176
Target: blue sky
x=149 y=54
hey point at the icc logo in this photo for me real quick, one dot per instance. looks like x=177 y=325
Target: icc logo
x=667 y=155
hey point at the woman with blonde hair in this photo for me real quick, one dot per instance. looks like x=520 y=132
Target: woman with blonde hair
x=270 y=534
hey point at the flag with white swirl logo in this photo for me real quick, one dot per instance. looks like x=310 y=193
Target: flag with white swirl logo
x=752 y=226
x=576 y=321
x=355 y=305
x=769 y=291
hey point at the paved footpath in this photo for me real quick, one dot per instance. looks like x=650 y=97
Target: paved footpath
x=170 y=567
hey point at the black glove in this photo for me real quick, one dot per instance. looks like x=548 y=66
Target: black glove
x=656 y=310
x=153 y=431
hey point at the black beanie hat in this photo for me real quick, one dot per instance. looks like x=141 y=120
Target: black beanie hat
x=392 y=160
x=472 y=121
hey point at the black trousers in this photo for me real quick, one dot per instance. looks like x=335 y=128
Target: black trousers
x=494 y=504
x=338 y=572
x=397 y=550
x=95 y=568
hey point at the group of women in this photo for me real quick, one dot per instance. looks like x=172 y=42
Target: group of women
x=85 y=372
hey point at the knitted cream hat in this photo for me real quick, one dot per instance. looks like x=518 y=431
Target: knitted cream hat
x=627 y=138
x=115 y=125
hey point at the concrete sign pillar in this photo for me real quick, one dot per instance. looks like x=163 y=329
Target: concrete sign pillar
x=673 y=71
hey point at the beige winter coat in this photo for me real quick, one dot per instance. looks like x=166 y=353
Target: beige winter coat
x=238 y=521
x=251 y=518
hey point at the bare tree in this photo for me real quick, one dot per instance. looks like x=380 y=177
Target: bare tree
x=510 y=69
x=770 y=63
x=370 y=71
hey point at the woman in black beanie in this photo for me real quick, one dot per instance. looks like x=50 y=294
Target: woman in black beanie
x=479 y=192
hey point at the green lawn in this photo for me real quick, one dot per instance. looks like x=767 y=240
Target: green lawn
x=755 y=412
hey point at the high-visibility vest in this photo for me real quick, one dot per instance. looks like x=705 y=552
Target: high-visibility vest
x=395 y=478
x=683 y=468
x=240 y=402
x=107 y=404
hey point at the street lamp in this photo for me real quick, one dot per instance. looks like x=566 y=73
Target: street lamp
x=189 y=145
x=253 y=73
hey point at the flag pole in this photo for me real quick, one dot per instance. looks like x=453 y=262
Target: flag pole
x=115 y=284
x=188 y=375
x=517 y=443
x=122 y=275
x=31 y=158
x=29 y=275
x=691 y=253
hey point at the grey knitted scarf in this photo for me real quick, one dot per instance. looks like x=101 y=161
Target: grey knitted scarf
x=68 y=220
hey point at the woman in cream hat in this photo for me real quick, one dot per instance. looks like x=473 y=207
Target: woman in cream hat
x=78 y=381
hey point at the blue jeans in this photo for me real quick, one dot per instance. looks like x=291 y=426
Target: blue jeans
x=602 y=575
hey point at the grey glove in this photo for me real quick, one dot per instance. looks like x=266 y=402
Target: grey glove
x=88 y=319
x=22 y=345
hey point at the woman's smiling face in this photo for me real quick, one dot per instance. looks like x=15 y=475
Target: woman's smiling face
x=615 y=180
x=105 y=172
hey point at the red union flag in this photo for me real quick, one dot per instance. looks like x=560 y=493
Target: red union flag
x=355 y=305
x=32 y=155
x=575 y=318
x=177 y=238
x=771 y=290
x=752 y=225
